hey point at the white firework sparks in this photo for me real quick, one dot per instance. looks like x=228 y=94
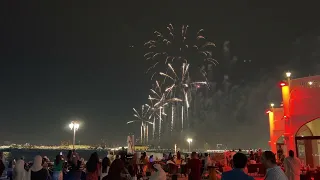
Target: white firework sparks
x=175 y=45
x=145 y=118
x=181 y=86
x=174 y=57
x=158 y=100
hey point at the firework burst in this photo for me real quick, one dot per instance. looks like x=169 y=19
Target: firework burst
x=175 y=45
x=145 y=118
x=180 y=86
x=179 y=63
x=159 y=99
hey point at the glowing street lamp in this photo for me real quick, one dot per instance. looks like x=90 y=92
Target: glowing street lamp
x=74 y=125
x=272 y=105
x=310 y=83
x=288 y=74
x=189 y=140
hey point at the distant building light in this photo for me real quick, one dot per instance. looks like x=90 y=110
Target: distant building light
x=310 y=83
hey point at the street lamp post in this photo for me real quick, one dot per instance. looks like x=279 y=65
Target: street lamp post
x=288 y=74
x=74 y=126
x=175 y=148
x=286 y=106
x=189 y=140
x=272 y=105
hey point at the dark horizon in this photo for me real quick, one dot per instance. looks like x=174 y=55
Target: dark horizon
x=67 y=61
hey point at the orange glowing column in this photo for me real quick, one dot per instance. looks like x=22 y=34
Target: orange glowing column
x=286 y=99
x=271 y=126
x=288 y=134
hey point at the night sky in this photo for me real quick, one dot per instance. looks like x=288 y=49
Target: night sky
x=63 y=61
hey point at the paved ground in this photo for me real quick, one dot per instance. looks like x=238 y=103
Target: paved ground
x=185 y=178
x=256 y=178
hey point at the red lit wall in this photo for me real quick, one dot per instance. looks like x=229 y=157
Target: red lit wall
x=301 y=105
x=304 y=104
x=276 y=127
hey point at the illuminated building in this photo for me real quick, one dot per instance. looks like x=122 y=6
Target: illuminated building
x=296 y=125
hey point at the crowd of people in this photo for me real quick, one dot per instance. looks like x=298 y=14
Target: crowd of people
x=117 y=167
x=288 y=168
x=125 y=167
x=253 y=156
x=71 y=167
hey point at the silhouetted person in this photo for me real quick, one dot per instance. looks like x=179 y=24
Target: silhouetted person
x=274 y=172
x=237 y=173
x=105 y=166
x=93 y=167
x=37 y=172
x=194 y=167
x=292 y=166
x=2 y=167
